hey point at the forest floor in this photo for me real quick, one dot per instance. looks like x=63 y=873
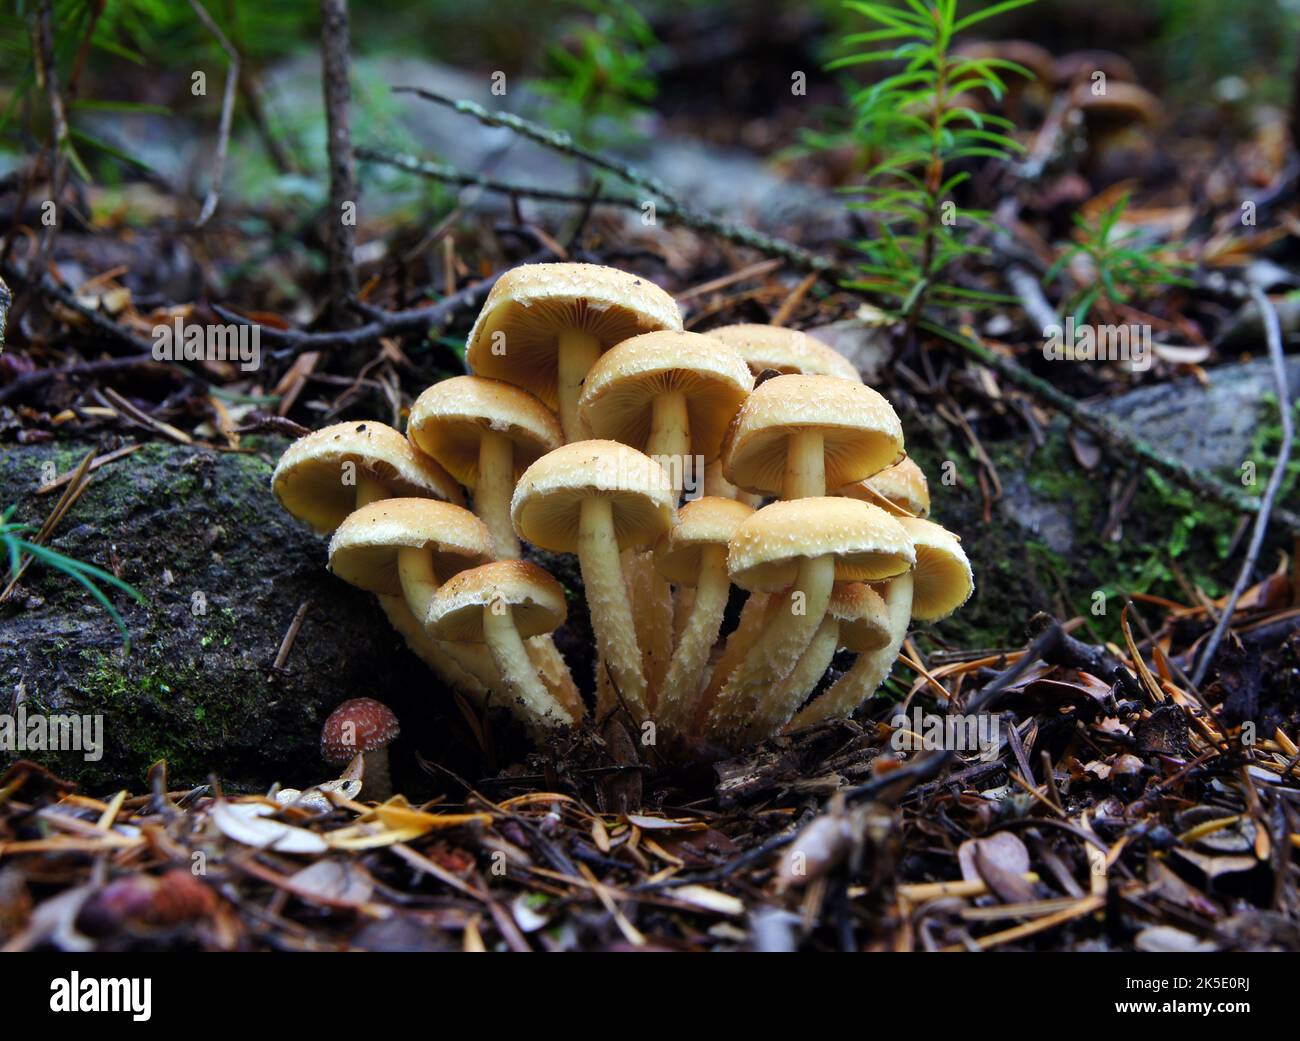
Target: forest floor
x=1127 y=807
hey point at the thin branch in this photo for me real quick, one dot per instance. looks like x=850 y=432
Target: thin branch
x=452 y=175
x=672 y=207
x=433 y=316
x=557 y=141
x=1112 y=436
x=1273 y=333
x=6 y=298
x=336 y=63
x=47 y=75
x=227 y=111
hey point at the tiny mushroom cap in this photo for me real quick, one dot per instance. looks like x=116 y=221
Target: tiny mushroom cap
x=867 y=543
x=1028 y=55
x=531 y=305
x=709 y=521
x=535 y=598
x=1122 y=105
x=309 y=479
x=863 y=617
x=547 y=503
x=357 y=726
x=901 y=489
x=620 y=390
x=364 y=550
x=1077 y=65
x=860 y=430
x=449 y=419
x=943 y=580
x=787 y=351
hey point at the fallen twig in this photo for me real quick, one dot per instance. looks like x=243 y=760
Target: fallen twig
x=1113 y=436
x=671 y=209
x=1273 y=335
x=433 y=316
x=227 y=112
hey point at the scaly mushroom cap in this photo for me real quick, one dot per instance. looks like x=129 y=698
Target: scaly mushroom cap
x=363 y=551
x=861 y=430
x=547 y=503
x=901 y=489
x=308 y=480
x=449 y=419
x=530 y=305
x=710 y=521
x=866 y=542
x=787 y=351
x=943 y=580
x=621 y=387
x=863 y=617
x=535 y=598
x=357 y=726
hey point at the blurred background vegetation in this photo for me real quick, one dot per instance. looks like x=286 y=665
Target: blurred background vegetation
x=688 y=61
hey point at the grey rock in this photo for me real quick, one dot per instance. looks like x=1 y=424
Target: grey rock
x=223 y=570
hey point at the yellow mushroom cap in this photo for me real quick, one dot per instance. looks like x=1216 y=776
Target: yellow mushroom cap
x=862 y=432
x=863 y=616
x=943 y=580
x=709 y=521
x=619 y=392
x=901 y=489
x=547 y=503
x=535 y=599
x=364 y=549
x=787 y=351
x=531 y=304
x=309 y=478
x=866 y=542
x=449 y=419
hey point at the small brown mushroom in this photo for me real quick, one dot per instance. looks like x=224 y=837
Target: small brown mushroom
x=365 y=727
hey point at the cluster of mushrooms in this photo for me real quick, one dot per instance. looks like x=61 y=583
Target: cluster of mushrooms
x=588 y=413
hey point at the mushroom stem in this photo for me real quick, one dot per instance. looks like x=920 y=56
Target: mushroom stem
x=870 y=670
x=419 y=583
x=775 y=653
x=376 y=781
x=681 y=688
x=784 y=698
x=554 y=671
x=752 y=616
x=805 y=465
x=517 y=669
x=669 y=445
x=496 y=482
x=434 y=653
x=578 y=352
x=611 y=610
x=670 y=435
x=369 y=488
